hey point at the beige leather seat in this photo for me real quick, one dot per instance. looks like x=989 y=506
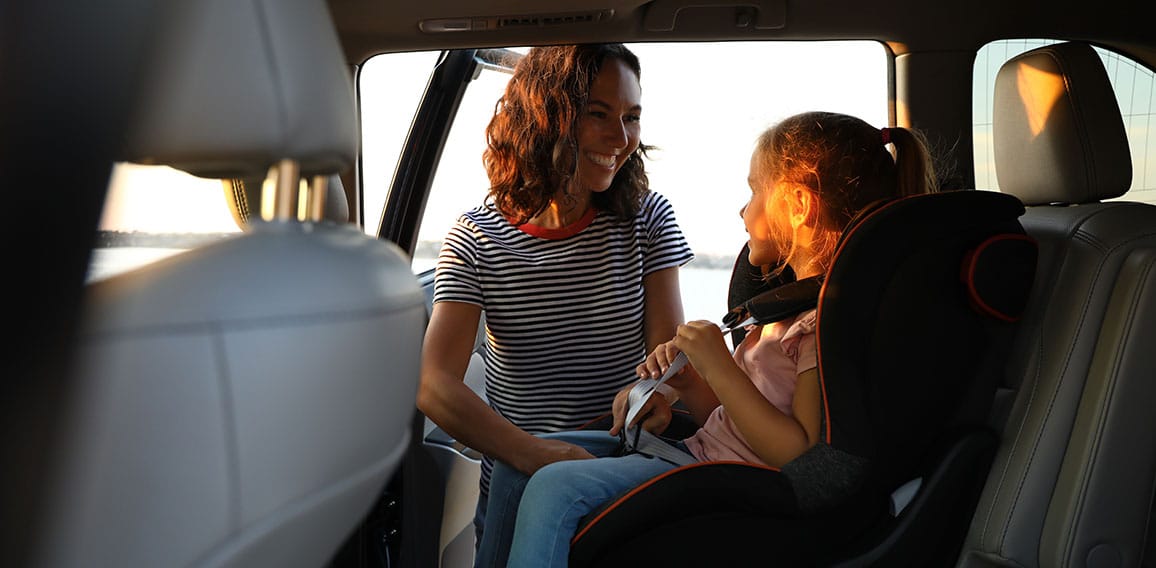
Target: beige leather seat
x=242 y=403
x=1072 y=483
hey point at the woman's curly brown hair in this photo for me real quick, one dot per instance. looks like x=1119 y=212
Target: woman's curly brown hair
x=531 y=146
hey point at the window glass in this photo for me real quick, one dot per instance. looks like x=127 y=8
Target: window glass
x=460 y=182
x=703 y=105
x=152 y=212
x=1132 y=82
x=390 y=86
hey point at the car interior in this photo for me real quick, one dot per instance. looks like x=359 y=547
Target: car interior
x=227 y=214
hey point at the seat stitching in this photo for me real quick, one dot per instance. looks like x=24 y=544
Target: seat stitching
x=1089 y=470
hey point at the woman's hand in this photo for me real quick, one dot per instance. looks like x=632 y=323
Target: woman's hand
x=655 y=414
x=658 y=361
x=545 y=451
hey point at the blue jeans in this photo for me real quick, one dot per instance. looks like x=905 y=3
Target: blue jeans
x=530 y=522
x=506 y=487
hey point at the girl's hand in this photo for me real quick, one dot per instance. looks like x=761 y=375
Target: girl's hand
x=704 y=345
x=655 y=414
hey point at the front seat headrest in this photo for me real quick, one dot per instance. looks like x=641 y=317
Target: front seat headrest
x=1058 y=133
x=272 y=85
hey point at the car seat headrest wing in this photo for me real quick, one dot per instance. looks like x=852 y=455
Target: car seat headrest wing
x=748 y=280
x=998 y=275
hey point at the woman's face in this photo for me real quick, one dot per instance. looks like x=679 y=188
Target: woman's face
x=757 y=218
x=608 y=128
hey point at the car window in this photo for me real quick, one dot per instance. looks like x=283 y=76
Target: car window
x=460 y=181
x=390 y=87
x=1132 y=82
x=151 y=212
x=703 y=106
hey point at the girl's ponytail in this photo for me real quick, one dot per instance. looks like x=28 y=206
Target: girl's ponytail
x=915 y=172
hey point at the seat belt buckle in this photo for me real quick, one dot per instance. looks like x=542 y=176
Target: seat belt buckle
x=626 y=446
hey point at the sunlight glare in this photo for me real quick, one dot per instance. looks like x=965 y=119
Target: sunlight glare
x=1039 y=90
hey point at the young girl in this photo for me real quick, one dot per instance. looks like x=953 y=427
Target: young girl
x=809 y=175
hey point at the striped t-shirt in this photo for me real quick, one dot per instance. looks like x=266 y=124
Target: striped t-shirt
x=564 y=316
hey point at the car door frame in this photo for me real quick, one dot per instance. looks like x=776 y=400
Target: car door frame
x=408 y=533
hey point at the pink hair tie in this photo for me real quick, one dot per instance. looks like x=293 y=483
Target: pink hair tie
x=885 y=133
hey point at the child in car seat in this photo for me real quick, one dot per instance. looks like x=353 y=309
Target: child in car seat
x=809 y=175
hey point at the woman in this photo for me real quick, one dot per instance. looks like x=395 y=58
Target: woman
x=572 y=258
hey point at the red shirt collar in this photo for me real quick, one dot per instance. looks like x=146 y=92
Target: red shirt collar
x=562 y=233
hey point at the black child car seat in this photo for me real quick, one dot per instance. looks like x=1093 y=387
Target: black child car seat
x=915 y=319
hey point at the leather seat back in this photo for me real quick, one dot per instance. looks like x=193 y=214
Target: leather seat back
x=1072 y=479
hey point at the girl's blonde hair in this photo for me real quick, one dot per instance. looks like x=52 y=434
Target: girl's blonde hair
x=845 y=164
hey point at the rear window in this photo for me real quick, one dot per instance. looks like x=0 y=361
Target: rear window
x=151 y=212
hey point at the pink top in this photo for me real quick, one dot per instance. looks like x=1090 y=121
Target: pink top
x=772 y=356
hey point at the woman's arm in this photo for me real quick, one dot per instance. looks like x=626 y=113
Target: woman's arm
x=663 y=316
x=445 y=398
x=663 y=306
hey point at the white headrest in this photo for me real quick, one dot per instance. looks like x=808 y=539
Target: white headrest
x=241 y=84
x=1058 y=133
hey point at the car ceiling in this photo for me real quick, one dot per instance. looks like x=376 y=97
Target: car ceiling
x=368 y=27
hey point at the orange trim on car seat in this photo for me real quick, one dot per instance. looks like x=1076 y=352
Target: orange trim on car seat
x=819 y=361
x=654 y=480
x=968 y=274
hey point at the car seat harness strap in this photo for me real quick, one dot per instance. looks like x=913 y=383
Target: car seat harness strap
x=637 y=440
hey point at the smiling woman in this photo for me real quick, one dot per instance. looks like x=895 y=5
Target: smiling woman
x=572 y=258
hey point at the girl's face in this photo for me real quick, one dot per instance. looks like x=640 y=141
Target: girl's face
x=608 y=129
x=756 y=214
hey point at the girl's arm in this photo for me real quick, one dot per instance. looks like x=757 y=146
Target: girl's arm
x=774 y=436
x=446 y=399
